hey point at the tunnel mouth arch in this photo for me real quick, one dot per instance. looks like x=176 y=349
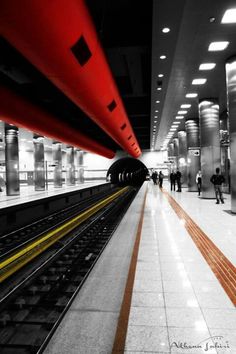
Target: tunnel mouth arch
x=127 y=171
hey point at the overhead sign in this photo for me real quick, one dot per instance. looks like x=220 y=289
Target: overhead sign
x=194 y=152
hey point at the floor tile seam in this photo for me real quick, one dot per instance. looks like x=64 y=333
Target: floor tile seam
x=160 y=268
x=164 y=300
x=201 y=250
x=176 y=261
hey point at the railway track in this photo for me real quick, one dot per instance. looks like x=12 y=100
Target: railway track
x=37 y=303
x=10 y=242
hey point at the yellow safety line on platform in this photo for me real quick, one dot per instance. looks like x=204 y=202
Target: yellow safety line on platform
x=18 y=260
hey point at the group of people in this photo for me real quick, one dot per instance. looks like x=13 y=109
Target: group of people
x=216 y=179
x=175 y=178
x=157 y=178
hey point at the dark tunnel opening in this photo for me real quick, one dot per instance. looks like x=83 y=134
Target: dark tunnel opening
x=127 y=171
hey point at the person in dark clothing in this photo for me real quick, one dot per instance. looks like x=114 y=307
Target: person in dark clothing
x=178 y=180
x=217 y=180
x=161 y=176
x=172 y=181
x=154 y=177
x=199 y=181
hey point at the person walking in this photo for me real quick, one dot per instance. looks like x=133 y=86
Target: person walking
x=172 y=180
x=154 y=177
x=199 y=181
x=161 y=176
x=178 y=180
x=217 y=180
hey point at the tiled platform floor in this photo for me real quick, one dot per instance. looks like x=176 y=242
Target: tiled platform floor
x=27 y=193
x=178 y=305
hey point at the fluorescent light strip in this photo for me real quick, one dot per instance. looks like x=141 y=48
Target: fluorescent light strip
x=229 y=16
x=199 y=81
x=191 y=95
x=207 y=66
x=185 y=105
x=218 y=46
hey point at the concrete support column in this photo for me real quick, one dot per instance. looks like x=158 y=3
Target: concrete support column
x=57 y=160
x=193 y=153
x=70 y=166
x=39 y=171
x=210 y=143
x=183 y=156
x=231 y=100
x=12 y=160
x=171 y=157
x=171 y=150
x=176 y=152
x=81 y=166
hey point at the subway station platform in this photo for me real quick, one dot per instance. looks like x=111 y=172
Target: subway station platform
x=28 y=193
x=165 y=283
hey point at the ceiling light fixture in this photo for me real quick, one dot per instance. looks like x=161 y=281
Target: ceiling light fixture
x=176 y=122
x=165 y=30
x=229 y=16
x=207 y=66
x=217 y=46
x=191 y=95
x=162 y=57
x=159 y=89
x=156 y=111
x=185 y=105
x=160 y=75
x=157 y=101
x=199 y=81
x=155 y=116
x=179 y=117
x=182 y=112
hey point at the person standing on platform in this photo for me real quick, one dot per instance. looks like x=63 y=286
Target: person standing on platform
x=217 y=180
x=199 y=182
x=161 y=176
x=154 y=177
x=178 y=180
x=172 y=180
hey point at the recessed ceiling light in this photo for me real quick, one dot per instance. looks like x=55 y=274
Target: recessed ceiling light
x=207 y=66
x=172 y=129
x=155 y=121
x=199 y=81
x=159 y=89
x=156 y=111
x=165 y=30
x=160 y=75
x=162 y=57
x=185 y=105
x=155 y=116
x=179 y=117
x=191 y=95
x=182 y=112
x=176 y=122
x=229 y=16
x=157 y=101
x=217 y=46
